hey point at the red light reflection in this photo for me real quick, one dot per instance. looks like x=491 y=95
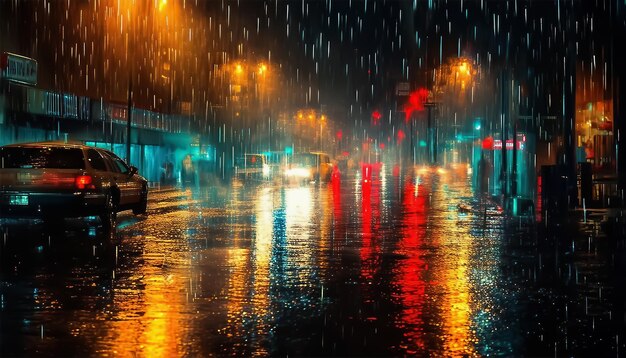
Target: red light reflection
x=335 y=183
x=410 y=274
x=370 y=223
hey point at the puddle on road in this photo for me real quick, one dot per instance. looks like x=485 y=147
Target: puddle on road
x=396 y=266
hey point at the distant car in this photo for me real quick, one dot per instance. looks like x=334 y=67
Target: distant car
x=53 y=181
x=252 y=165
x=309 y=166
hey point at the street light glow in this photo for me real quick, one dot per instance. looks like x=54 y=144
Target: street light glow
x=464 y=68
x=238 y=69
x=477 y=125
x=162 y=5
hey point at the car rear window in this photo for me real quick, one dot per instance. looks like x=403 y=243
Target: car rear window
x=42 y=157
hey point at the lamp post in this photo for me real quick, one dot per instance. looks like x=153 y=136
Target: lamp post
x=432 y=133
x=322 y=121
x=129 y=115
x=249 y=89
x=261 y=85
x=455 y=79
x=131 y=65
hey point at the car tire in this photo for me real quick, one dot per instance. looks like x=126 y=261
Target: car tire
x=142 y=207
x=108 y=217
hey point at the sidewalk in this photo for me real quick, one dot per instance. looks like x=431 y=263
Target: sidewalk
x=597 y=222
x=156 y=187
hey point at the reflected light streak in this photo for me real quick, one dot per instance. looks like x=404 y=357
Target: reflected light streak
x=325 y=225
x=237 y=260
x=149 y=317
x=262 y=256
x=299 y=223
x=410 y=273
x=337 y=210
x=370 y=222
x=159 y=331
x=160 y=334
x=453 y=268
x=339 y=225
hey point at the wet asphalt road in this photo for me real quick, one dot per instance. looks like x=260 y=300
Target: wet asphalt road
x=389 y=267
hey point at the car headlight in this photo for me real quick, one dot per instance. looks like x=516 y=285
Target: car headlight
x=298 y=172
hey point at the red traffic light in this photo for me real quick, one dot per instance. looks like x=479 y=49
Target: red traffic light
x=376 y=116
x=488 y=143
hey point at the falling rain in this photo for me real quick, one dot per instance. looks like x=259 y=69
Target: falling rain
x=312 y=177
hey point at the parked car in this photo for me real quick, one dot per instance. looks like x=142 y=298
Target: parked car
x=53 y=181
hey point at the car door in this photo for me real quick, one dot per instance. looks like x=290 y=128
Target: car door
x=99 y=168
x=128 y=187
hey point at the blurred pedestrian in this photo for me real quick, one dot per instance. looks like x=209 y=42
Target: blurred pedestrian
x=484 y=173
x=187 y=173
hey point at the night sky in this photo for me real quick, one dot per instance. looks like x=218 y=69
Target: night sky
x=340 y=54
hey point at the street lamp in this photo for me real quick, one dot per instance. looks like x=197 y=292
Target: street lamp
x=322 y=121
x=262 y=69
x=451 y=89
x=463 y=72
x=238 y=69
x=162 y=4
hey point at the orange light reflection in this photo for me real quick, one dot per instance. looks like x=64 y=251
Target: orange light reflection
x=453 y=267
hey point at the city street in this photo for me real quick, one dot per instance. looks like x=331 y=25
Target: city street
x=407 y=264
x=404 y=178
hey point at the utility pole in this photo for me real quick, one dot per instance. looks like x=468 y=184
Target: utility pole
x=504 y=105
x=432 y=134
x=129 y=116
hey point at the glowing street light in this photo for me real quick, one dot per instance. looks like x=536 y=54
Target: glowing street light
x=463 y=72
x=477 y=124
x=162 y=5
x=262 y=69
x=238 y=69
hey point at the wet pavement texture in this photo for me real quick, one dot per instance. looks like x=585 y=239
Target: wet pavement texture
x=408 y=265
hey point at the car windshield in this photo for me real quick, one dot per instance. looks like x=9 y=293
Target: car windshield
x=41 y=157
x=305 y=159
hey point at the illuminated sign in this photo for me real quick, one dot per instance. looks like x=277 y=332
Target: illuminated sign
x=18 y=68
x=521 y=143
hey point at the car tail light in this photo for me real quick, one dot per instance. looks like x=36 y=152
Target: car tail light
x=84 y=182
x=55 y=179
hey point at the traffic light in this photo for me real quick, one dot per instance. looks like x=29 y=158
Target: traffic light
x=376 y=116
x=477 y=124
